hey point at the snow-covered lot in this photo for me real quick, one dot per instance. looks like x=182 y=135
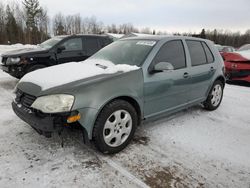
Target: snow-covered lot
x=193 y=148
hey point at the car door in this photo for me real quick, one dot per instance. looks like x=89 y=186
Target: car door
x=71 y=50
x=166 y=91
x=202 y=70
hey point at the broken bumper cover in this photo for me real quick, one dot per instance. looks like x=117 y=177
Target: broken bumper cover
x=44 y=124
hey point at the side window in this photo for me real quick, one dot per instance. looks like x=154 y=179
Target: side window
x=172 y=52
x=91 y=45
x=73 y=44
x=197 y=53
x=210 y=57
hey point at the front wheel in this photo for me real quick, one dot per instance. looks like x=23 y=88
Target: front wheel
x=115 y=127
x=215 y=96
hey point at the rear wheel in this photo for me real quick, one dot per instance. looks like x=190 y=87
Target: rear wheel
x=215 y=96
x=115 y=127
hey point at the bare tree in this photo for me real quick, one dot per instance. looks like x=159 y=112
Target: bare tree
x=2 y=24
x=146 y=30
x=59 y=24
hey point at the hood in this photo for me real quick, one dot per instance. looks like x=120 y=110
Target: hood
x=24 y=51
x=237 y=56
x=59 y=75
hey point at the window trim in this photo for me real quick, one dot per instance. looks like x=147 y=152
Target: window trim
x=185 y=55
x=204 y=43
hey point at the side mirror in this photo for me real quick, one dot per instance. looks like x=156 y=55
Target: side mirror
x=162 y=66
x=60 y=49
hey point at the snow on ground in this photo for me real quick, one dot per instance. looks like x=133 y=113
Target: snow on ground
x=193 y=148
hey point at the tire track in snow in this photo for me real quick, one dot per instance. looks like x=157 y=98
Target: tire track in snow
x=116 y=166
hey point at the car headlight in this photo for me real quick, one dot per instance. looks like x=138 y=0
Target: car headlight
x=13 y=60
x=54 y=103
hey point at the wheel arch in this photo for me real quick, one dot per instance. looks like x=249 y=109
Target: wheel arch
x=130 y=100
x=222 y=79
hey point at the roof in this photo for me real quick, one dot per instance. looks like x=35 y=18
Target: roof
x=162 y=37
x=81 y=35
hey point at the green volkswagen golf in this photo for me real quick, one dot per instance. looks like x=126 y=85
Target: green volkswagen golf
x=125 y=83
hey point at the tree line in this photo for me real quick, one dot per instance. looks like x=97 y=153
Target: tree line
x=28 y=22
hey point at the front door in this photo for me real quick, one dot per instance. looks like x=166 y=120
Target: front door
x=166 y=91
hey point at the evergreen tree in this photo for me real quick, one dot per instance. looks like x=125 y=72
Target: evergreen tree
x=32 y=11
x=11 y=26
x=203 y=34
x=60 y=29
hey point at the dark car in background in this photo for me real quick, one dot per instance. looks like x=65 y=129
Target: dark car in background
x=57 y=50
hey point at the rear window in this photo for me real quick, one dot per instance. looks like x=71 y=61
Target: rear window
x=199 y=52
x=91 y=45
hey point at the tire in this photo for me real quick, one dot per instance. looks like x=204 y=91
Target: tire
x=35 y=67
x=112 y=134
x=215 y=96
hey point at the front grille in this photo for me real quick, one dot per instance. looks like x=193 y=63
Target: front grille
x=24 y=98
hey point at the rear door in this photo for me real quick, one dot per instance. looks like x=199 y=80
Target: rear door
x=73 y=51
x=166 y=91
x=202 y=69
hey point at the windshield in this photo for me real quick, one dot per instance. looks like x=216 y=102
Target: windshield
x=131 y=52
x=244 y=47
x=50 y=43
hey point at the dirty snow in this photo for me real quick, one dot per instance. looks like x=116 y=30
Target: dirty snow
x=193 y=148
x=69 y=72
x=245 y=54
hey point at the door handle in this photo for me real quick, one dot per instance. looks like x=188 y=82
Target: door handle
x=185 y=75
x=211 y=69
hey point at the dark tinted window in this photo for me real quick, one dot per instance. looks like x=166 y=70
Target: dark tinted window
x=210 y=57
x=172 y=52
x=197 y=53
x=73 y=44
x=91 y=45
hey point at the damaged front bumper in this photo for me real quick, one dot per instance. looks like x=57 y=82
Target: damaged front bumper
x=44 y=124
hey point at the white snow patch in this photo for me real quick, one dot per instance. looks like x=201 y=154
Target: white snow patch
x=62 y=74
x=245 y=54
x=115 y=35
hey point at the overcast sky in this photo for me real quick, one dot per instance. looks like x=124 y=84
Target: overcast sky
x=168 y=15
